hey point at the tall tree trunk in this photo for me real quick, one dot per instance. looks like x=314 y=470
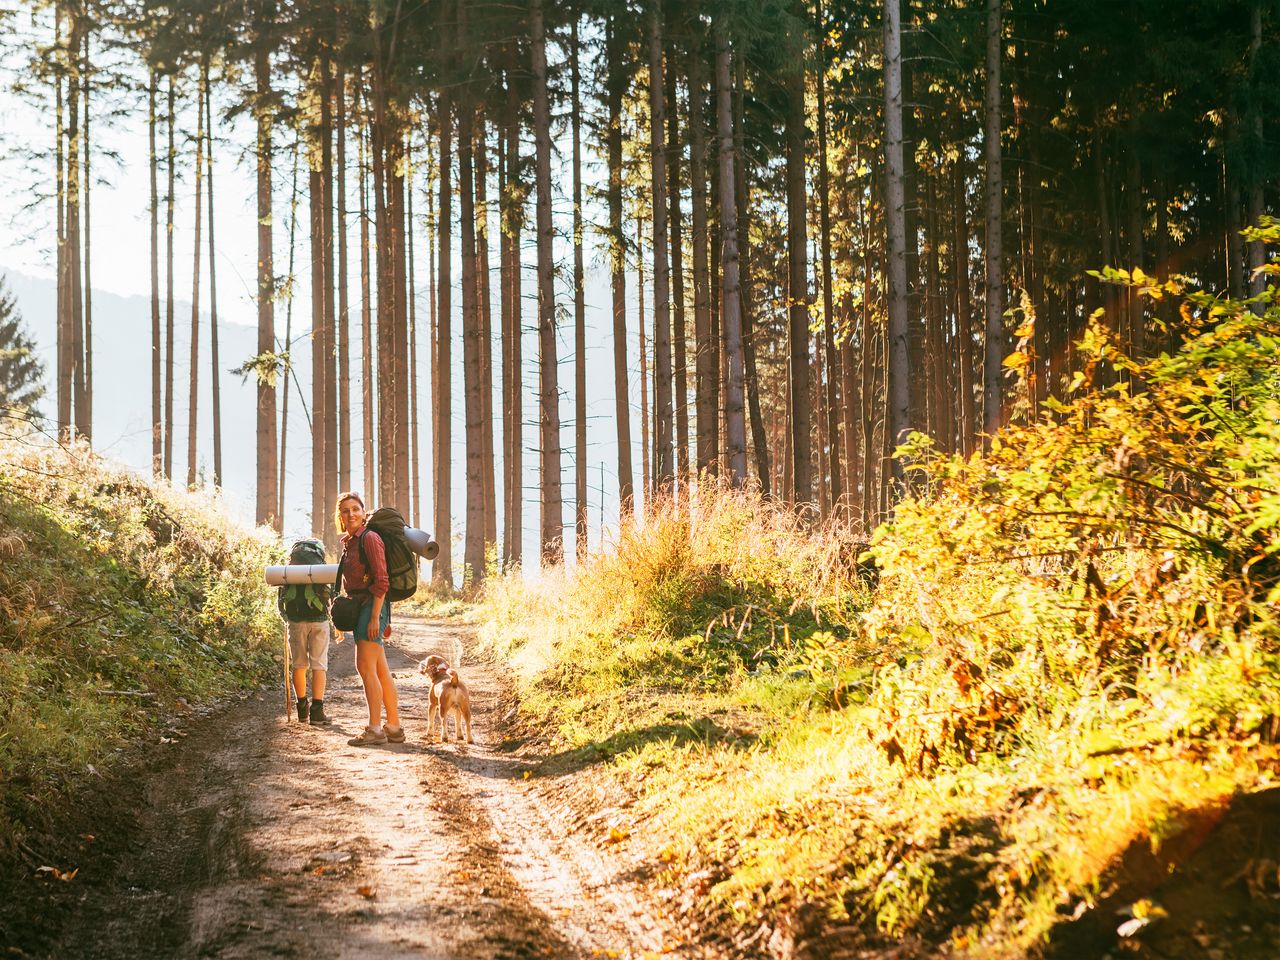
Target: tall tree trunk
x=86 y=416
x=706 y=351
x=615 y=88
x=473 y=555
x=433 y=288
x=399 y=339
x=993 y=412
x=415 y=488
x=735 y=422
x=1234 y=253
x=679 y=335
x=215 y=373
x=742 y=191
x=195 y=292
x=664 y=466
x=267 y=473
x=328 y=415
x=1136 y=210
x=899 y=365
x=964 y=309
x=344 y=315
x=798 y=286
x=441 y=378
x=646 y=431
x=579 y=312
x=320 y=506
x=157 y=345
x=828 y=296
x=75 y=291
x=552 y=538
x=366 y=305
x=1257 y=207
x=485 y=296
x=169 y=320
x=63 y=253
x=287 y=346
x=513 y=223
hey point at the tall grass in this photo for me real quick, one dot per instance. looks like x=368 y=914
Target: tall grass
x=1071 y=650
x=122 y=601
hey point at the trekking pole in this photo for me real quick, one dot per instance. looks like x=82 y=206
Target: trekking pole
x=286 y=673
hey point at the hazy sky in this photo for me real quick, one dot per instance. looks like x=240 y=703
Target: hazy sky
x=120 y=264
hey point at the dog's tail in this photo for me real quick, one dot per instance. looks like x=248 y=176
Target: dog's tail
x=453 y=678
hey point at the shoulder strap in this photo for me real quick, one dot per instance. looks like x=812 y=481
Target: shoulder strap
x=337 y=584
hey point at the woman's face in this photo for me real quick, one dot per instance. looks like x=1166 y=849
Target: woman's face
x=352 y=514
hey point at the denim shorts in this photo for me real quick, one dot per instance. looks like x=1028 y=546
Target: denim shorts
x=361 y=631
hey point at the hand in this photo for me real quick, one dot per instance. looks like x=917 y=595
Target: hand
x=371 y=633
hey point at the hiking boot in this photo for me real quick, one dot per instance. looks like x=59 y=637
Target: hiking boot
x=303 y=711
x=394 y=734
x=317 y=712
x=369 y=737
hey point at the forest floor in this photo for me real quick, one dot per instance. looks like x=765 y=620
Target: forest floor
x=251 y=836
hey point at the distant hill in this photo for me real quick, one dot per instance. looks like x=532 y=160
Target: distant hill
x=122 y=390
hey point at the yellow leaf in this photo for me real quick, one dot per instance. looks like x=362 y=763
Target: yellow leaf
x=1025 y=330
x=367 y=892
x=617 y=835
x=1016 y=360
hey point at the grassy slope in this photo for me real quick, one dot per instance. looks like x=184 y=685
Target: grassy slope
x=1070 y=654
x=121 y=602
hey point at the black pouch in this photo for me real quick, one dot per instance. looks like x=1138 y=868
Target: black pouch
x=344 y=612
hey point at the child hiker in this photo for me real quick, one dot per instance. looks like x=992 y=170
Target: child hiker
x=305 y=608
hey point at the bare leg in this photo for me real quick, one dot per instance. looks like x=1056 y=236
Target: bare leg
x=390 y=699
x=368 y=654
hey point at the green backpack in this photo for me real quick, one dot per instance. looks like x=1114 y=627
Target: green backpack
x=304 y=602
x=402 y=563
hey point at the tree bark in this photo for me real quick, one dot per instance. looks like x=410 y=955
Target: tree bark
x=616 y=87
x=706 y=352
x=75 y=292
x=195 y=293
x=664 y=466
x=899 y=366
x=267 y=463
x=473 y=555
x=735 y=423
x=320 y=507
x=86 y=416
x=552 y=537
x=63 y=253
x=485 y=298
x=366 y=305
x=157 y=346
x=993 y=413
x=679 y=334
x=514 y=408
x=287 y=346
x=798 y=287
x=415 y=487
x=828 y=296
x=344 y=314
x=442 y=376
x=646 y=431
x=216 y=368
x=169 y=320
x=579 y=312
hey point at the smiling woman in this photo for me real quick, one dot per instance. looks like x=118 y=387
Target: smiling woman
x=364 y=577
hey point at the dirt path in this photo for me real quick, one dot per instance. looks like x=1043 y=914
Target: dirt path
x=261 y=838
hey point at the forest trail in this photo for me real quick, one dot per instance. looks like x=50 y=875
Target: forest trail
x=264 y=838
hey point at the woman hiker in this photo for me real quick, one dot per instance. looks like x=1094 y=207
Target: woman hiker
x=373 y=623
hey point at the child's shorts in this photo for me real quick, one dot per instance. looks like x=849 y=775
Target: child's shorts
x=309 y=645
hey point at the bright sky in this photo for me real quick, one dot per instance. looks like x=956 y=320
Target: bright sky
x=120 y=264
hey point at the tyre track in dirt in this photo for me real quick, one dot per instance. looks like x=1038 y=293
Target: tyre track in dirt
x=258 y=838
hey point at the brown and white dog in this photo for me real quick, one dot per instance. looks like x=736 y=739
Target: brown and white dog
x=448 y=696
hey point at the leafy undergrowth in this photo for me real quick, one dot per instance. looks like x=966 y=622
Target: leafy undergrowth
x=122 y=602
x=1069 y=655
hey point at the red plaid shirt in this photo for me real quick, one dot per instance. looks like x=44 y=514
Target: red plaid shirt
x=355 y=578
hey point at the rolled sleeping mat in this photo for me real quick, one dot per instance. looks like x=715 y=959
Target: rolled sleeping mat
x=421 y=543
x=301 y=573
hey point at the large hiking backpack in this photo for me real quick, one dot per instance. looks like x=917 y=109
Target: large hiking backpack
x=304 y=602
x=402 y=562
